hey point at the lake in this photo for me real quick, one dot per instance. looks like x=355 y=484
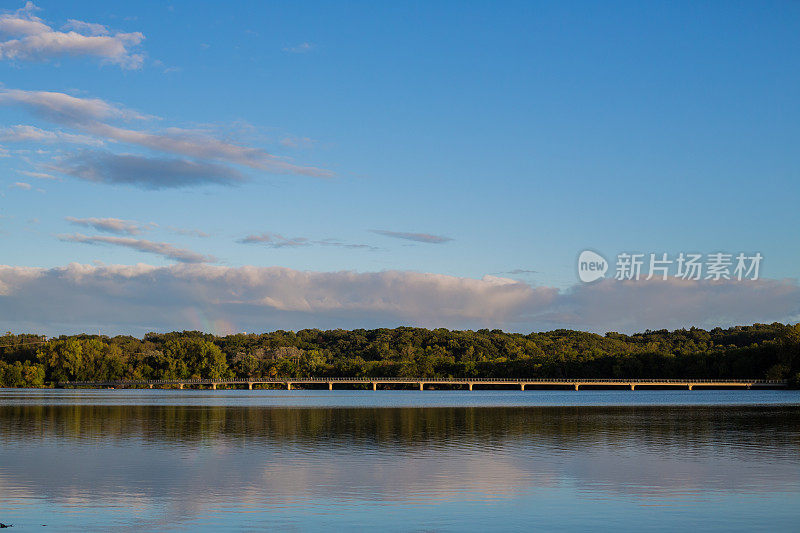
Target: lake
x=96 y=460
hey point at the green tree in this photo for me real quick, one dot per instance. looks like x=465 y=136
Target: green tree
x=63 y=358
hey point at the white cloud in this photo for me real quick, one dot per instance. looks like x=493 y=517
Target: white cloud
x=29 y=38
x=258 y=298
x=140 y=298
x=158 y=248
x=21 y=185
x=22 y=22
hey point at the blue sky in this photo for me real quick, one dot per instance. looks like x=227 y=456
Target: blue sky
x=477 y=139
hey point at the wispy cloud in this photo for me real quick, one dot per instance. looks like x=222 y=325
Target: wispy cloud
x=188 y=232
x=159 y=248
x=21 y=185
x=93 y=116
x=144 y=172
x=38 y=175
x=24 y=133
x=87 y=28
x=301 y=48
x=66 y=109
x=120 y=226
x=417 y=237
x=297 y=142
x=29 y=38
x=110 y=225
x=166 y=69
x=276 y=240
x=340 y=244
x=200 y=145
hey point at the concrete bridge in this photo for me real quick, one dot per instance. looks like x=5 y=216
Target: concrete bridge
x=421 y=383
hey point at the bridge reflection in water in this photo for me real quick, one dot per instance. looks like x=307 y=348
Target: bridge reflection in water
x=421 y=383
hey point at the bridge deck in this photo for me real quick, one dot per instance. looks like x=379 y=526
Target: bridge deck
x=288 y=382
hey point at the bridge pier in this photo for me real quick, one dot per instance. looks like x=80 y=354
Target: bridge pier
x=470 y=386
x=288 y=385
x=690 y=386
x=180 y=386
x=213 y=386
x=151 y=385
x=249 y=385
x=633 y=387
x=421 y=386
x=521 y=386
x=577 y=386
x=374 y=386
x=330 y=385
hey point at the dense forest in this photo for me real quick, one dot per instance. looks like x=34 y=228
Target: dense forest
x=764 y=351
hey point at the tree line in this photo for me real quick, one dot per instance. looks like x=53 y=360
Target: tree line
x=760 y=351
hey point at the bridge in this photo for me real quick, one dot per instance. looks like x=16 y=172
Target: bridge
x=420 y=383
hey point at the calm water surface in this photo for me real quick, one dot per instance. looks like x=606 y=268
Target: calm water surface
x=99 y=460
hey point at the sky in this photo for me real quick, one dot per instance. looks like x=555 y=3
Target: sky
x=260 y=166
